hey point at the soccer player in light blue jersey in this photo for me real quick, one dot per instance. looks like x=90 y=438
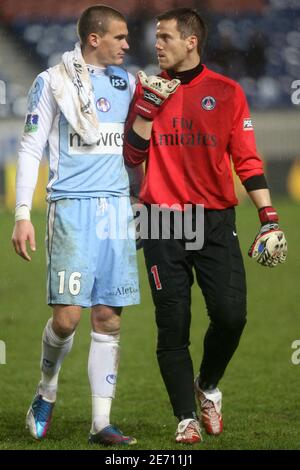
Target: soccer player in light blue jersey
x=76 y=115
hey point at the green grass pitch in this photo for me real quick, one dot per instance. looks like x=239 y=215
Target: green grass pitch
x=260 y=387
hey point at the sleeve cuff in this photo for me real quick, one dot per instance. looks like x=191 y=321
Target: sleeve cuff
x=137 y=141
x=22 y=213
x=255 y=182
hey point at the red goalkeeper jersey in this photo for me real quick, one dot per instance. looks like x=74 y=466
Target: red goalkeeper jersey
x=195 y=134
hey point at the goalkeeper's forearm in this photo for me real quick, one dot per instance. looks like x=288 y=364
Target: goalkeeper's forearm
x=261 y=198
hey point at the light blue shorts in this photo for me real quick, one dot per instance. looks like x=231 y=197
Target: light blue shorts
x=91 y=252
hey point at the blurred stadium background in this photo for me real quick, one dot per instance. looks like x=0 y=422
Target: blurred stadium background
x=256 y=42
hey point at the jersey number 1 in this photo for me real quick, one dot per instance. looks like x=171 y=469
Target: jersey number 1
x=154 y=271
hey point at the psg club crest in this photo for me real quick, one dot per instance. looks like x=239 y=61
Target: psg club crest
x=208 y=103
x=103 y=105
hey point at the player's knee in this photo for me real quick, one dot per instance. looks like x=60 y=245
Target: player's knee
x=233 y=323
x=64 y=328
x=65 y=320
x=173 y=327
x=229 y=314
x=106 y=320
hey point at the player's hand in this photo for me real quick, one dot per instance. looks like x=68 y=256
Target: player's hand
x=23 y=233
x=155 y=91
x=269 y=247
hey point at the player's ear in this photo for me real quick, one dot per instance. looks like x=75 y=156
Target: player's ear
x=192 y=43
x=93 y=40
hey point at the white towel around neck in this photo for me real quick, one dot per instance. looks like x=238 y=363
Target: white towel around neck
x=72 y=89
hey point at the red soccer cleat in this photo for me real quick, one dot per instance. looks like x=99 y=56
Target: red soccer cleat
x=188 y=432
x=210 y=406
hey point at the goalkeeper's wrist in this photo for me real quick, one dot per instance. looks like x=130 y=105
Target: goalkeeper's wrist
x=268 y=215
x=145 y=110
x=22 y=213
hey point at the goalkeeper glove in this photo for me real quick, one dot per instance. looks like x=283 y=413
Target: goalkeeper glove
x=269 y=247
x=155 y=91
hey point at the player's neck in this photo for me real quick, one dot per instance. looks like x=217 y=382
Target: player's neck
x=90 y=58
x=186 y=76
x=95 y=70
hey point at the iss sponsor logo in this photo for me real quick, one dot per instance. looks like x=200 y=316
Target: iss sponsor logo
x=248 y=126
x=118 y=82
x=103 y=105
x=31 y=123
x=208 y=103
x=110 y=141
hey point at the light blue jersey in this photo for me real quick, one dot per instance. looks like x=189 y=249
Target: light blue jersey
x=95 y=170
x=76 y=170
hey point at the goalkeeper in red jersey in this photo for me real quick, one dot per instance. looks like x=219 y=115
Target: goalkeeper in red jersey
x=188 y=124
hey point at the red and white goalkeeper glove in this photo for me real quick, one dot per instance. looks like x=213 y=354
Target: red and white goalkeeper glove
x=269 y=247
x=155 y=91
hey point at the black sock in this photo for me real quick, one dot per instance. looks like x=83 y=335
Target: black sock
x=206 y=386
x=188 y=415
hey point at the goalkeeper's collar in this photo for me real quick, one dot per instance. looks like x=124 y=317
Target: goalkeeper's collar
x=187 y=75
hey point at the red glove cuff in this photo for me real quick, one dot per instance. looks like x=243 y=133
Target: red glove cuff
x=145 y=109
x=268 y=214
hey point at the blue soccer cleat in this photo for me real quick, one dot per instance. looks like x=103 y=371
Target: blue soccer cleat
x=39 y=416
x=111 y=436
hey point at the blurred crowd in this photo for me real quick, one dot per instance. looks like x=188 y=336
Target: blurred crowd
x=255 y=42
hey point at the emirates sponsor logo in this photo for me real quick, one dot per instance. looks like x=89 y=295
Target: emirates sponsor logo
x=188 y=139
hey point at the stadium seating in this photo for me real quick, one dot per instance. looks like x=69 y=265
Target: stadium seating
x=259 y=49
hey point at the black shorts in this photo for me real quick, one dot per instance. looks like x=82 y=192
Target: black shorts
x=218 y=266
